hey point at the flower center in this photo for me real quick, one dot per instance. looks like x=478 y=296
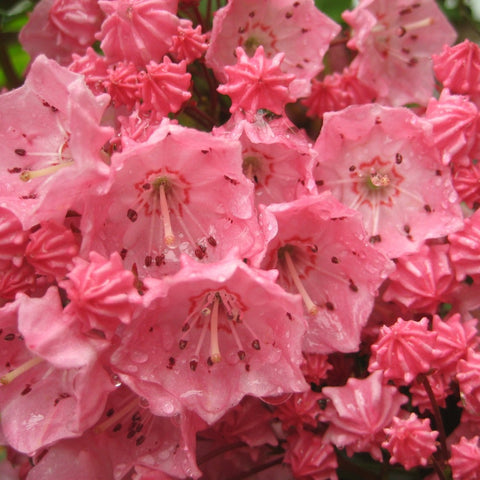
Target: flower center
x=219 y=314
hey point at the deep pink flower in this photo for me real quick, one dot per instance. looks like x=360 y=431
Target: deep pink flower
x=465 y=248
x=410 y=441
x=137 y=30
x=227 y=331
x=123 y=84
x=279 y=26
x=458 y=68
x=12 y=238
x=189 y=43
x=395 y=40
x=455 y=336
x=465 y=460
x=93 y=67
x=382 y=162
x=164 y=87
x=315 y=367
x=101 y=293
x=320 y=251
x=404 y=350
x=51 y=249
x=466 y=181
x=46 y=163
x=257 y=82
x=311 y=457
x=441 y=389
x=58 y=28
x=468 y=376
x=422 y=280
x=15 y=279
x=455 y=129
x=359 y=411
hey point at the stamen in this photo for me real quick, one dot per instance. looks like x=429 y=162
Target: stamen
x=114 y=418
x=28 y=175
x=10 y=376
x=311 y=307
x=167 y=225
x=214 y=347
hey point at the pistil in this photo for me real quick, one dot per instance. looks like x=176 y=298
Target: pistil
x=169 y=237
x=215 y=355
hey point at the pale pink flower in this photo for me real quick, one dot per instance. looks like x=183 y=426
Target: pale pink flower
x=455 y=128
x=279 y=26
x=395 y=40
x=59 y=28
x=51 y=249
x=458 y=69
x=311 y=457
x=382 y=162
x=189 y=43
x=46 y=163
x=181 y=191
x=410 y=441
x=257 y=82
x=101 y=293
x=465 y=460
x=359 y=411
x=277 y=160
x=164 y=87
x=226 y=330
x=422 y=280
x=321 y=252
x=404 y=350
x=137 y=30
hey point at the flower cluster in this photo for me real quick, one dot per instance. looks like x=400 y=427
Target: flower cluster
x=193 y=285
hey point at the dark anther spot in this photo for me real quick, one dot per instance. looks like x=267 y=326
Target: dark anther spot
x=352 y=285
x=352 y=168
x=406 y=228
x=123 y=253
x=398 y=158
x=131 y=434
x=427 y=208
x=378 y=121
x=200 y=251
x=110 y=412
x=241 y=354
x=329 y=306
x=212 y=241
x=247 y=367
x=140 y=440
x=132 y=215
x=182 y=344
x=335 y=260
x=375 y=239
x=148 y=260
x=319 y=183
x=438 y=173
x=412 y=62
x=117 y=427
x=251 y=14
x=27 y=389
x=256 y=344
x=288 y=15
x=9 y=337
x=231 y=180
x=20 y=151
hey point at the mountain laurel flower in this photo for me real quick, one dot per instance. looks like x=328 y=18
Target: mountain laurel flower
x=465 y=459
x=257 y=82
x=410 y=441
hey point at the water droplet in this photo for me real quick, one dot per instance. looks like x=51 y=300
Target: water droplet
x=115 y=380
x=452 y=198
x=138 y=356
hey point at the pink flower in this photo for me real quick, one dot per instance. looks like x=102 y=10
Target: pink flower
x=311 y=457
x=455 y=129
x=404 y=350
x=465 y=460
x=422 y=280
x=101 y=293
x=410 y=441
x=123 y=84
x=279 y=26
x=226 y=330
x=382 y=162
x=164 y=87
x=277 y=160
x=395 y=40
x=458 y=68
x=58 y=28
x=319 y=251
x=51 y=249
x=47 y=164
x=94 y=68
x=137 y=30
x=181 y=191
x=189 y=43
x=468 y=376
x=466 y=181
x=12 y=238
x=257 y=82
x=359 y=411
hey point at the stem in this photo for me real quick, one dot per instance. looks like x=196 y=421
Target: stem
x=219 y=451
x=438 y=468
x=437 y=416
x=257 y=469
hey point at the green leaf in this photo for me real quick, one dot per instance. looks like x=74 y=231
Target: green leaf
x=334 y=8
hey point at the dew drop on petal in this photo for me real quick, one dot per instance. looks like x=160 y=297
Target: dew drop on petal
x=115 y=380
